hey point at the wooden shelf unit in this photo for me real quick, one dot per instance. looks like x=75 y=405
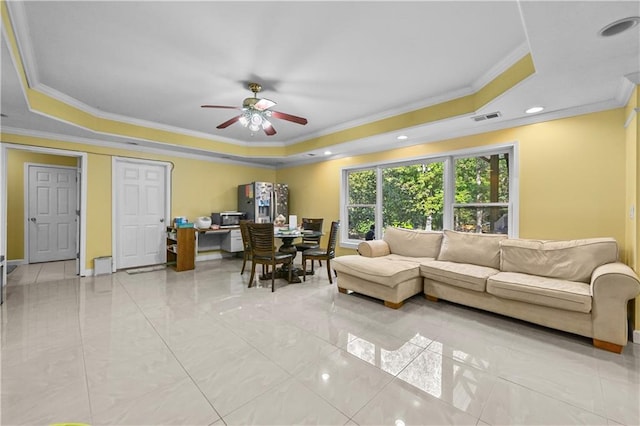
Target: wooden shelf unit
x=181 y=245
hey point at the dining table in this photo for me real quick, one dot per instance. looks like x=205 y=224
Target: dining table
x=288 y=236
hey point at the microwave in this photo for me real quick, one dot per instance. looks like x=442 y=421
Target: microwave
x=227 y=219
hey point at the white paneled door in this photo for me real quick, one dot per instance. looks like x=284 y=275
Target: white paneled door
x=141 y=191
x=52 y=213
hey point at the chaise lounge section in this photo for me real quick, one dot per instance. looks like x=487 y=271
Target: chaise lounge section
x=578 y=286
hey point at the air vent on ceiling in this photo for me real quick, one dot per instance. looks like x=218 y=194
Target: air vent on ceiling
x=486 y=116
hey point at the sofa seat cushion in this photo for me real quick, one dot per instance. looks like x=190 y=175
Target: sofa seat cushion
x=465 y=275
x=552 y=292
x=379 y=270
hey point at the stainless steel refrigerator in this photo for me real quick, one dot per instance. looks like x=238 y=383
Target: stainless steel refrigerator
x=263 y=201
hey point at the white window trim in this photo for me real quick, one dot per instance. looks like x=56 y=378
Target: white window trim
x=449 y=187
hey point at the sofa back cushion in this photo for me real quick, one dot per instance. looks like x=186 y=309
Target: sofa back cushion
x=477 y=249
x=412 y=243
x=572 y=260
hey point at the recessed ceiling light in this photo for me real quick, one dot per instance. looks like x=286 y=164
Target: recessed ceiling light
x=402 y=137
x=327 y=153
x=533 y=110
x=619 y=26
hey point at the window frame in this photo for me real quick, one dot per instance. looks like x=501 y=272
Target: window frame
x=448 y=159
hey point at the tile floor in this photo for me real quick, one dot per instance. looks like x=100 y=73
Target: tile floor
x=200 y=348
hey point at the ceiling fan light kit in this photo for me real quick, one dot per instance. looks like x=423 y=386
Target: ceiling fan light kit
x=255 y=113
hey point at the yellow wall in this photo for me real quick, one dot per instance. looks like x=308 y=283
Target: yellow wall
x=632 y=231
x=15 y=195
x=572 y=176
x=198 y=189
x=631 y=181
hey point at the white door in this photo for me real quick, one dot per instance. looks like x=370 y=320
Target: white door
x=140 y=214
x=52 y=214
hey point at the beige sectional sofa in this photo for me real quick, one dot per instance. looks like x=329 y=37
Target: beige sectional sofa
x=577 y=286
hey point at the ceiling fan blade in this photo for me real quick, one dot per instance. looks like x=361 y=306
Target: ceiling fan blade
x=228 y=122
x=289 y=117
x=270 y=131
x=219 y=106
x=263 y=104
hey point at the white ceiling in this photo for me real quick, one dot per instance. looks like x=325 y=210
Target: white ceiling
x=339 y=64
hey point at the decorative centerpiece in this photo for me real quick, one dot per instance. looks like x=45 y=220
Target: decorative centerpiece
x=280 y=220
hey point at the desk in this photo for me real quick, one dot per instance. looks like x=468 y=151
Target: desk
x=210 y=242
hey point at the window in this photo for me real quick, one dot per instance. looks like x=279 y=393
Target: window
x=412 y=196
x=482 y=194
x=361 y=204
x=469 y=191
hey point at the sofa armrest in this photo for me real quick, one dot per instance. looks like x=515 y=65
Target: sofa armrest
x=374 y=248
x=612 y=286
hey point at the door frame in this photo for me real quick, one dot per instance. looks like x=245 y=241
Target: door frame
x=27 y=253
x=82 y=158
x=114 y=199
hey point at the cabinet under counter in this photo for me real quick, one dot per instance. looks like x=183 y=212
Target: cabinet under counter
x=213 y=243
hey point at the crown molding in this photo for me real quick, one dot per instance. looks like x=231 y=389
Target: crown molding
x=62 y=97
x=18 y=19
x=501 y=66
x=424 y=134
x=625 y=89
x=161 y=148
x=631 y=116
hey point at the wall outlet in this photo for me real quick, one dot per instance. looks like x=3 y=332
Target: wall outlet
x=632 y=212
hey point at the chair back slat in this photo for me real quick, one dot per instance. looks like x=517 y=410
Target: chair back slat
x=244 y=231
x=262 y=239
x=333 y=238
x=312 y=224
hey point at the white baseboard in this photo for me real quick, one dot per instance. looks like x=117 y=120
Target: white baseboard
x=636 y=336
x=16 y=262
x=214 y=256
x=211 y=256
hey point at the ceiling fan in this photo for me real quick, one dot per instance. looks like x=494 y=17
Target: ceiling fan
x=255 y=113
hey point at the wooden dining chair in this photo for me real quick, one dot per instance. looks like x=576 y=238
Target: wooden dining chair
x=263 y=251
x=308 y=242
x=246 y=243
x=319 y=254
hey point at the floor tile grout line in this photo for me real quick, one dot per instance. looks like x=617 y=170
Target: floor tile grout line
x=195 y=383
x=557 y=399
x=546 y=391
x=484 y=406
x=84 y=356
x=291 y=375
x=368 y=401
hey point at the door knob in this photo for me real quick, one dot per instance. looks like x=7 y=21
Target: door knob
x=162 y=220
x=32 y=219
